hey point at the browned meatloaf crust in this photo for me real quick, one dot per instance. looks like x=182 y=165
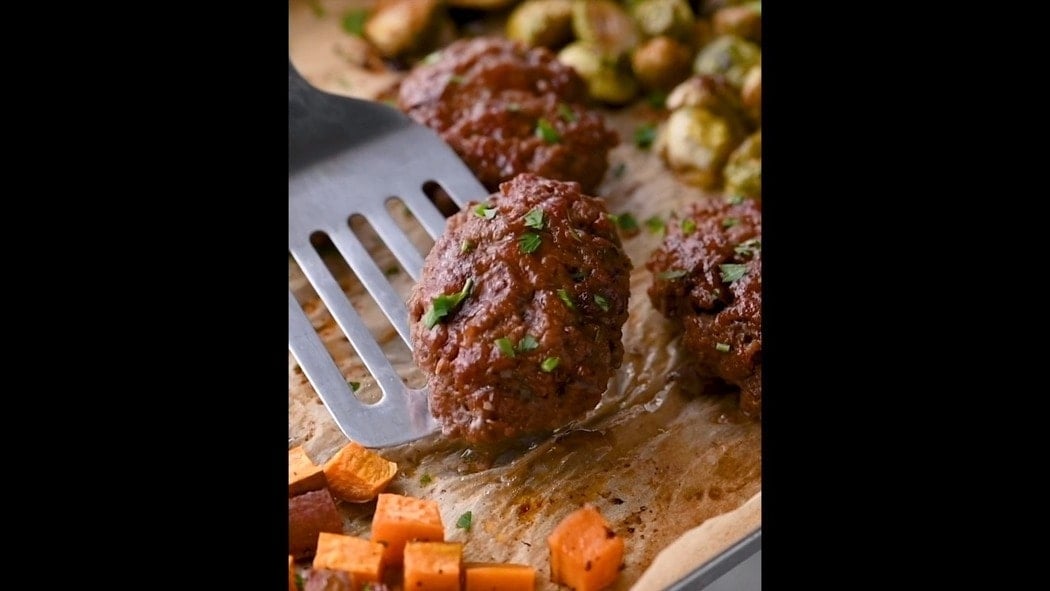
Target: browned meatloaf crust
x=486 y=97
x=707 y=275
x=569 y=296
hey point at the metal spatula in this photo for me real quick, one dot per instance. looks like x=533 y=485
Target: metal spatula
x=348 y=156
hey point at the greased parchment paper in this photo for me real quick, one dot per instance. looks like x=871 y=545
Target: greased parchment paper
x=667 y=459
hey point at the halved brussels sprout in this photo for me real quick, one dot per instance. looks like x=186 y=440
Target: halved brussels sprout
x=743 y=171
x=605 y=25
x=608 y=79
x=751 y=93
x=403 y=27
x=729 y=56
x=664 y=17
x=713 y=93
x=546 y=23
x=661 y=62
x=696 y=143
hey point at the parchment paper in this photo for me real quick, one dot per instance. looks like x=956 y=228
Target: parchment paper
x=666 y=458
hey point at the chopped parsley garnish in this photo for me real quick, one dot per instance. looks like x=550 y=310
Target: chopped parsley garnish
x=735 y=199
x=529 y=242
x=355 y=386
x=655 y=225
x=299 y=580
x=456 y=79
x=527 y=343
x=354 y=22
x=565 y=297
x=730 y=222
x=673 y=274
x=425 y=479
x=644 y=135
x=625 y=221
x=485 y=211
x=466 y=246
x=546 y=131
x=566 y=113
x=722 y=347
x=657 y=99
x=550 y=364
x=602 y=302
x=443 y=304
x=534 y=219
x=465 y=521
x=688 y=226
x=431 y=58
x=505 y=346
x=732 y=272
x=619 y=170
x=752 y=247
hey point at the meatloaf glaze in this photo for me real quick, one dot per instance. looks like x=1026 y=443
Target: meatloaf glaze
x=508 y=109
x=537 y=334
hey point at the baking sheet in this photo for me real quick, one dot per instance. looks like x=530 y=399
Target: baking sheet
x=667 y=458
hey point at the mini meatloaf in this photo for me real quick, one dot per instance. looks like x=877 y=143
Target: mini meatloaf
x=508 y=109
x=707 y=276
x=517 y=317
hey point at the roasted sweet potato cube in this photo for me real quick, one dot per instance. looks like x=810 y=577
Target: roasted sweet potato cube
x=585 y=552
x=357 y=474
x=433 y=566
x=400 y=519
x=492 y=576
x=303 y=474
x=360 y=557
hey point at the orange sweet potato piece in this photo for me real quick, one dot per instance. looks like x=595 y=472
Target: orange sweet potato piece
x=323 y=579
x=433 y=566
x=400 y=519
x=309 y=514
x=585 y=552
x=357 y=474
x=360 y=557
x=303 y=474
x=492 y=576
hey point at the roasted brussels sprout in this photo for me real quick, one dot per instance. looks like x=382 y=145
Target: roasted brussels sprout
x=673 y=18
x=404 y=27
x=751 y=94
x=713 y=93
x=546 y=23
x=605 y=25
x=696 y=143
x=743 y=171
x=744 y=21
x=729 y=56
x=661 y=62
x=608 y=79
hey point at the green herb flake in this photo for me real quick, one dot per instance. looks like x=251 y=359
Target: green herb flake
x=485 y=211
x=466 y=246
x=602 y=302
x=546 y=131
x=722 y=347
x=354 y=22
x=431 y=58
x=619 y=170
x=565 y=297
x=655 y=225
x=456 y=79
x=425 y=479
x=730 y=222
x=527 y=343
x=644 y=136
x=299 y=580
x=672 y=274
x=534 y=219
x=550 y=364
x=748 y=247
x=657 y=99
x=443 y=304
x=566 y=113
x=529 y=242
x=355 y=386
x=465 y=521
x=505 y=346
x=732 y=272
x=625 y=221
x=688 y=226
x=735 y=199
